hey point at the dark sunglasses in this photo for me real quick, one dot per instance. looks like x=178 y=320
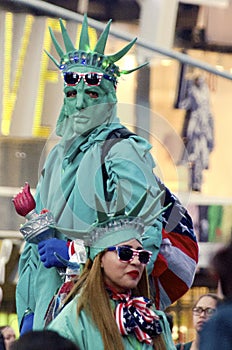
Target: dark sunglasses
x=126 y=254
x=90 y=78
x=208 y=311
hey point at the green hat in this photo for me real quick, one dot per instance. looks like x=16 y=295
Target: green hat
x=114 y=229
x=84 y=56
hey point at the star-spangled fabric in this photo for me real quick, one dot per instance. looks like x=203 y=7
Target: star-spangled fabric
x=133 y=315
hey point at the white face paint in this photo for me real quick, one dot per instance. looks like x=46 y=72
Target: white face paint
x=88 y=106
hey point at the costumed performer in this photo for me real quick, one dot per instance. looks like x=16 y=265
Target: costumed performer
x=109 y=306
x=72 y=173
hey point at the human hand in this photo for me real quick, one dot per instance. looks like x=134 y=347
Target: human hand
x=47 y=250
x=24 y=201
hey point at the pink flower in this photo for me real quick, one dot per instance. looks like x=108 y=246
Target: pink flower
x=24 y=201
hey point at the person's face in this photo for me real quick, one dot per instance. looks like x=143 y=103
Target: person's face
x=120 y=275
x=200 y=318
x=88 y=106
x=9 y=337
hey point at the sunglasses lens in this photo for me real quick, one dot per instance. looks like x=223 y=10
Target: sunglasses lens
x=125 y=254
x=93 y=79
x=144 y=257
x=71 y=78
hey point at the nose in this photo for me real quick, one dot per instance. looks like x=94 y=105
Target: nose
x=203 y=313
x=135 y=260
x=80 y=97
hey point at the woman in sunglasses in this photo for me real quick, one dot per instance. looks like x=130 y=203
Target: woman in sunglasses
x=109 y=306
x=202 y=311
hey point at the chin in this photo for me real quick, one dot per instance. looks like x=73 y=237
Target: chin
x=131 y=285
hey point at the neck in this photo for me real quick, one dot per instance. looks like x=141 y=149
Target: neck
x=195 y=344
x=115 y=293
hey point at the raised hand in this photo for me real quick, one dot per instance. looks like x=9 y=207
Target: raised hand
x=24 y=201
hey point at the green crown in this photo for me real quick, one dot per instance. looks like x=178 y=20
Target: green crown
x=114 y=228
x=84 y=56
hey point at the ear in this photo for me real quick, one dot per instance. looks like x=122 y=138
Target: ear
x=102 y=261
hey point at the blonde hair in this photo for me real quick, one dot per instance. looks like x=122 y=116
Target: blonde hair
x=91 y=284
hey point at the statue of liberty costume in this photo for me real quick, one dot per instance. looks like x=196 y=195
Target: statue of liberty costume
x=138 y=322
x=72 y=173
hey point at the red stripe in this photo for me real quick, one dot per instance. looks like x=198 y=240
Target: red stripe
x=184 y=243
x=120 y=319
x=173 y=285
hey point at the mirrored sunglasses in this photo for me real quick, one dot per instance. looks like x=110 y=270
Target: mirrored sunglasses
x=126 y=254
x=90 y=78
x=208 y=311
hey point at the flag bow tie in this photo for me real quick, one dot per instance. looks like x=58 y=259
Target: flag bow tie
x=134 y=315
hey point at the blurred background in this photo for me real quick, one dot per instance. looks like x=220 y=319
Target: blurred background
x=188 y=44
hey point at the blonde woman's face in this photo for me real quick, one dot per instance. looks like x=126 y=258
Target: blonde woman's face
x=203 y=310
x=121 y=275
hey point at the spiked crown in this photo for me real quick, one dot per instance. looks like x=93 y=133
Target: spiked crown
x=119 y=227
x=84 y=56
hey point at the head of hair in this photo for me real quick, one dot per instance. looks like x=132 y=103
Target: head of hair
x=90 y=285
x=221 y=263
x=214 y=296
x=43 y=339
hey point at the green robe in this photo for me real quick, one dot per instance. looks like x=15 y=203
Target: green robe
x=87 y=337
x=70 y=178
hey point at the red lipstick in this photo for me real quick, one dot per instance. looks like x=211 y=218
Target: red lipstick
x=134 y=274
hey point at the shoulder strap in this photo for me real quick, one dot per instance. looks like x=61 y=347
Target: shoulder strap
x=112 y=138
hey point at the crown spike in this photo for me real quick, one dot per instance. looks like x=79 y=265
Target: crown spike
x=101 y=214
x=52 y=58
x=149 y=209
x=84 y=37
x=150 y=221
x=66 y=38
x=120 y=207
x=135 y=211
x=101 y=44
x=72 y=233
x=134 y=69
x=115 y=57
x=56 y=44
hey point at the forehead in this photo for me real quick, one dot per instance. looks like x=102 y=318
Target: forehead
x=134 y=243
x=83 y=69
x=207 y=301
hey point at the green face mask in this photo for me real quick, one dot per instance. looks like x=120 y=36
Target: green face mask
x=88 y=106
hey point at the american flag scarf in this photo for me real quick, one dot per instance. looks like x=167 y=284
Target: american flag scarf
x=133 y=315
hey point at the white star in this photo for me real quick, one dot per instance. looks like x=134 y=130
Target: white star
x=141 y=320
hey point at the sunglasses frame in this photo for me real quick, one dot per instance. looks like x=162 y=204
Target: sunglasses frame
x=135 y=252
x=83 y=75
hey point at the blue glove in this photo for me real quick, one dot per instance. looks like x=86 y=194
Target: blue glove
x=47 y=250
x=27 y=323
